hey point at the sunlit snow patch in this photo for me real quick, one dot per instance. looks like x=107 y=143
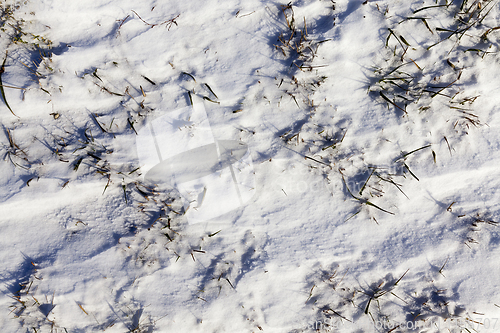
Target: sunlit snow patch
x=179 y=149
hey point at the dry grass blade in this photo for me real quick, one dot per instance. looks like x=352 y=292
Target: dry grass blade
x=435 y=93
x=107 y=184
x=11 y=87
x=103 y=88
x=131 y=125
x=364 y=200
x=379 y=208
x=149 y=80
x=124 y=187
x=77 y=164
x=208 y=99
x=442 y=267
x=391 y=102
x=190 y=75
x=98 y=124
x=447 y=143
x=2 y=70
x=315 y=160
x=411 y=173
x=338 y=314
x=393 y=183
x=229 y=283
x=206 y=84
x=215 y=233
x=396 y=283
x=429 y=7
x=81 y=308
x=366 y=182
x=169 y=23
x=414 y=151
x=427 y=25
x=485 y=35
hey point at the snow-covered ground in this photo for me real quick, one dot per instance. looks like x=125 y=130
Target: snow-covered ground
x=335 y=166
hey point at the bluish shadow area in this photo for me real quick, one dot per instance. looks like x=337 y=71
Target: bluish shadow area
x=352 y=6
x=296 y=41
x=32 y=57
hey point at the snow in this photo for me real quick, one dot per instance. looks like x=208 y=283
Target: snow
x=348 y=187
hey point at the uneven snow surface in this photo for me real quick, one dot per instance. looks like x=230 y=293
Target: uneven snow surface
x=333 y=166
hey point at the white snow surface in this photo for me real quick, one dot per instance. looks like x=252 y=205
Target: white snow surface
x=376 y=191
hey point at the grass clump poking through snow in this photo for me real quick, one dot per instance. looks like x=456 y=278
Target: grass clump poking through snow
x=431 y=53
x=27 y=47
x=34 y=309
x=298 y=44
x=426 y=75
x=400 y=303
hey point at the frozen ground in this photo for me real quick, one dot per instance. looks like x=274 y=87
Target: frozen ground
x=373 y=132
